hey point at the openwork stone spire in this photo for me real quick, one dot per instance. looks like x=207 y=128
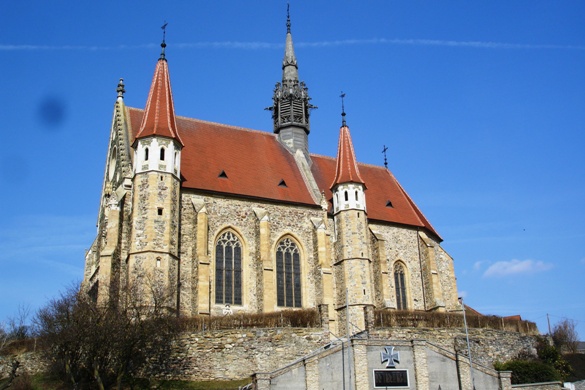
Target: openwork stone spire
x=291 y=101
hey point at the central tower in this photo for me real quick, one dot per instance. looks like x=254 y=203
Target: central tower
x=291 y=102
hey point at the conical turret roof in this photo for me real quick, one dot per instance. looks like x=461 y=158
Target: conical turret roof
x=159 y=113
x=346 y=170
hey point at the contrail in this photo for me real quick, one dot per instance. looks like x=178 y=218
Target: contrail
x=270 y=46
x=435 y=42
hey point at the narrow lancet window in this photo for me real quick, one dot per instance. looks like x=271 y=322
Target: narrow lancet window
x=400 y=286
x=162 y=154
x=288 y=274
x=145 y=154
x=228 y=269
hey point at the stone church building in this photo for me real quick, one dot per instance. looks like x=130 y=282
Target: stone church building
x=214 y=217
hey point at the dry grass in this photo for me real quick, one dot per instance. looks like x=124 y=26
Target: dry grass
x=307 y=318
x=421 y=319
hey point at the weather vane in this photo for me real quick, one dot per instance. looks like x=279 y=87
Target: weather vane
x=163 y=44
x=385 y=159
x=342 y=108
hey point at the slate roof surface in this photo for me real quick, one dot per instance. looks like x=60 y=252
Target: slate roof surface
x=227 y=159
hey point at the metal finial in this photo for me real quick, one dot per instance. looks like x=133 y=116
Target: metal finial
x=288 y=18
x=342 y=109
x=163 y=44
x=385 y=159
x=120 y=88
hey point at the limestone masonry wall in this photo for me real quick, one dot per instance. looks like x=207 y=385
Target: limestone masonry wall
x=487 y=345
x=238 y=353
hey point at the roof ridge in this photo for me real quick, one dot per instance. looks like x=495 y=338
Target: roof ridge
x=214 y=123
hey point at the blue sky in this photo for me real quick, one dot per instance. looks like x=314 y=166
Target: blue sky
x=481 y=104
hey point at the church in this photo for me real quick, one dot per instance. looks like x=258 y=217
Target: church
x=216 y=218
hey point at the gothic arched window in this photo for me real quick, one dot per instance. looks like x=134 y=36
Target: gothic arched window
x=288 y=274
x=162 y=154
x=145 y=154
x=228 y=269
x=400 y=286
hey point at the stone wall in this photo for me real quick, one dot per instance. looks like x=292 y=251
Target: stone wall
x=540 y=386
x=30 y=362
x=402 y=244
x=238 y=353
x=241 y=217
x=487 y=345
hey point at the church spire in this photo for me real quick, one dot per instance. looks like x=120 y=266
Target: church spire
x=159 y=113
x=291 y=101
x=289 y=63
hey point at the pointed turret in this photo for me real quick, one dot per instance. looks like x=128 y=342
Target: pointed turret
x=158 y=131
x=152 y=264
x=347 y=174
x=159 y=114
x=291 y=102
x=347 y=170
x=354 y=292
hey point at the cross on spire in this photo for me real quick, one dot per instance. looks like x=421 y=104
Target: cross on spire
x=342 y=109
x=163 y=44
x=385 y=159
x=288 y=18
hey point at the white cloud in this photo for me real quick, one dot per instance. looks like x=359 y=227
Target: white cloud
x=516 y=267
x=477 y=265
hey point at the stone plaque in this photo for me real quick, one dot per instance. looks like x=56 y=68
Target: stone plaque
x=390 y=378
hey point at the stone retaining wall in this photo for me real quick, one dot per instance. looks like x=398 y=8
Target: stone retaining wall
x=487 y=345
x=238 y=353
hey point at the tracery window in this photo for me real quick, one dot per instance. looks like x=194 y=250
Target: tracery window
x=288 y=274
x=400 y=286
x=228 y=269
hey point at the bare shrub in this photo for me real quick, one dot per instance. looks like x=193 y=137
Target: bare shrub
x=103 y=344
x=565 y=336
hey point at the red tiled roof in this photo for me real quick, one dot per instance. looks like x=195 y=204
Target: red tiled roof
x=346 y=170
x=160 y=110
x=255 y=163
x=386 y=200
x=472 y=311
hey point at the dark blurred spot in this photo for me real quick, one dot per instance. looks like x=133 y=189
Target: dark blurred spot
x=13 y=169
x=52 y=112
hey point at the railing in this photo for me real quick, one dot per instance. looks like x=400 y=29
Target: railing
x=422 y=319
x=307 y=318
